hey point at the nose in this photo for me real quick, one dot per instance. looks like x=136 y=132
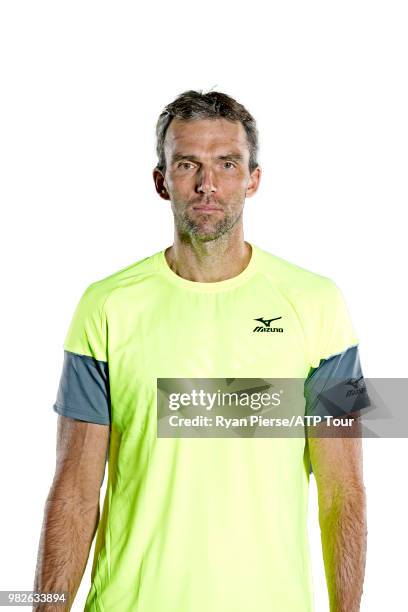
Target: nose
x=205 y=181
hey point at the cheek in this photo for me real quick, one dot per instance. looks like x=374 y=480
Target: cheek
x=182 y=184
x=237 y=183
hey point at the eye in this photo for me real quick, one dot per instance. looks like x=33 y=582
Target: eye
x=228 y=165
x=186 y=165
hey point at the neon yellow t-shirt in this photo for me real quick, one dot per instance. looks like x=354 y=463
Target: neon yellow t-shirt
x=199 y=524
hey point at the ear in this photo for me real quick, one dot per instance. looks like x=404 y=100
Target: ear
x=160 y=184
x=253 y=182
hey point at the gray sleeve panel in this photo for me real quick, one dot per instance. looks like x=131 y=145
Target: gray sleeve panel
x=83 y=391
x=336 y=387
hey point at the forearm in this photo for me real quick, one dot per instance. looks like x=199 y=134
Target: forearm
x=343 y=527
x=68 y=530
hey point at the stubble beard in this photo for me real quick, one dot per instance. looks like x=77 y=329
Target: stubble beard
x=204 y=228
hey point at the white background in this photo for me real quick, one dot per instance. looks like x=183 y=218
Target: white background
x=82 y=85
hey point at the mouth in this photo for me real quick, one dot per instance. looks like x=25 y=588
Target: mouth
x=206 y=208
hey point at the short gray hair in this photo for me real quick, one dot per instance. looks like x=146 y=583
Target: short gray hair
x=212 y=105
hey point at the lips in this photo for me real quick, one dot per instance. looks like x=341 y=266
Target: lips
x=206 y=208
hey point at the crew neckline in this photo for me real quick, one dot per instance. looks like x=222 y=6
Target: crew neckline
x=227 y=283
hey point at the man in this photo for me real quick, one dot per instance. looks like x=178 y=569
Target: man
x=201 y=523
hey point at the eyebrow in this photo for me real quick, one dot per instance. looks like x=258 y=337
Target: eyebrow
x=234 y=156
x=180 y=157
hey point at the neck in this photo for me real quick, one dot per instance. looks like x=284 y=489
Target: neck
x=210 y=261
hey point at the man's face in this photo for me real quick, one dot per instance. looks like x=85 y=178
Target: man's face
x=207 y=176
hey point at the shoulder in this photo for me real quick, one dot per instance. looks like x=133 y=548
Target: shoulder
x=295 y=281
x=87 y=331
x=100 y=291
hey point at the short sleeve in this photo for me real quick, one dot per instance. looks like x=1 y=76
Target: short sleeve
x=87 y=333
x=335 y=331
x=83 y=391
x=335 y=383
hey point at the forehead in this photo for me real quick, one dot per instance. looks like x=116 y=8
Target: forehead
x=194 y=135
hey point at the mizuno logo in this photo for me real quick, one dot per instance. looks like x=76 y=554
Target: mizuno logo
x=267 y=325
x=354 y=382
x=358 y=385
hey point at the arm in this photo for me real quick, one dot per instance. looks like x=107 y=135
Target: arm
x=337 y=465
x=71 y=511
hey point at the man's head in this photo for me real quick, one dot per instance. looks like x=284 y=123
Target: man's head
x=207 y=146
